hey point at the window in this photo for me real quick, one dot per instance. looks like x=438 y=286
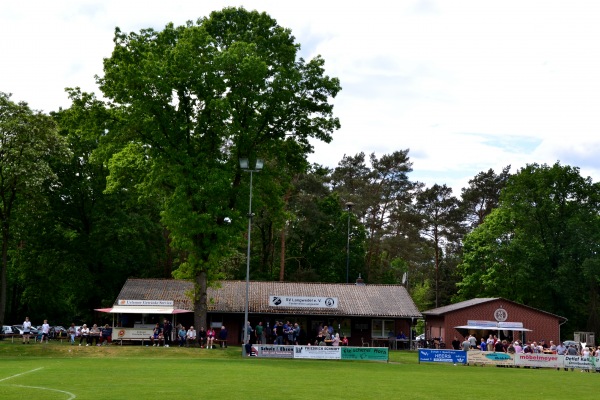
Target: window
x=381 y=327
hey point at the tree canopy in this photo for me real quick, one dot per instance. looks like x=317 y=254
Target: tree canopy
x=197 y=98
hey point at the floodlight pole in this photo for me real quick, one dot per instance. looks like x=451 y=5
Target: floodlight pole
x=245 y=165
x=349 y=209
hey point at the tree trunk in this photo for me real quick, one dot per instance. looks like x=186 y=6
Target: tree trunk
x=200 y=300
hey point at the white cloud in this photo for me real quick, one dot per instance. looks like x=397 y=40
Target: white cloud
x=466 y=85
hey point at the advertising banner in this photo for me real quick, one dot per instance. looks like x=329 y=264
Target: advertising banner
x=581 y=362
x=318 y=352
x=445 y=356
x=489 y=358
x=539 y=360
x=145 y=302
x=365 y=353
x=273 y=351
x=303 y=302
x=131 y=333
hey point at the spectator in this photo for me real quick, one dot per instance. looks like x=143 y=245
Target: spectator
x=260 y=333
x=201 y=337
x=210 y=338
x=490 y=343
x=336 y=340
x=518 y=348
x=223 y=335
x=72 y=333
x=106 y=337
x=167 y=332
x=483 y=345
x=182 y=334
x=157 y=335
x=95 y=335
x=85 y=334
x=45 y=331
x=344 y=341
x=26 y=330
x=472 y=341
x=456 y=343
x=466 y=345
x=191 y=336
x=279 y=333
x=297 y=331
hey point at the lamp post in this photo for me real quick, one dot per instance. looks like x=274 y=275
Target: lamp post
x=349 y=209
x=245 y=165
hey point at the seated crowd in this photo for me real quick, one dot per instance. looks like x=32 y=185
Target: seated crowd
x=492 y=343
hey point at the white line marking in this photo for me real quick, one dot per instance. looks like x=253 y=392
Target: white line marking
x=22 y=373
x=53 y=390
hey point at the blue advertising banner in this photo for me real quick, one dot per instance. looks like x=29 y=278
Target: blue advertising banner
x=445 y=356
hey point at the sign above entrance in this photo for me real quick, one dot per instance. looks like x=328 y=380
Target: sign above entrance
x=145 y=302
x=303 y=302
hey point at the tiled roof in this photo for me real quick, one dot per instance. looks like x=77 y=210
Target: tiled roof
x=458 y=306
x=230 y=297
x=474 y=302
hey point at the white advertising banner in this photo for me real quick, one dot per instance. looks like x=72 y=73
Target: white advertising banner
x=539 y=360
x=318 y=352
x=304 y=302
x=131 y=333
x=582 y=362
x=145 y=302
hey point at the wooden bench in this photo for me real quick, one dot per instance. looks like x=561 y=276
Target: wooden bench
x=222 y=343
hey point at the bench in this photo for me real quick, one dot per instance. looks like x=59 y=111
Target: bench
x=222 y=343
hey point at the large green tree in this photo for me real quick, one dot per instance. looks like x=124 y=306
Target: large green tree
x=196 y=99
x=540 y=246
x=28 y=139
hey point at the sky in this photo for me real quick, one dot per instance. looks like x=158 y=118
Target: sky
x=465 y=85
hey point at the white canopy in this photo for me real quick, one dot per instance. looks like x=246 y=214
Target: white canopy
x=492 y=328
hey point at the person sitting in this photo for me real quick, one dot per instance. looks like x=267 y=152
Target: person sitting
x=182 y=334
x=85 y=334
x=95 y=335
x=201 y=337
x=191 y=336
x=210 y=338
x=157 y=335
x=106 y=337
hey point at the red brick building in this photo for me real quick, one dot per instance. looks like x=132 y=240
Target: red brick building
x=497 y=316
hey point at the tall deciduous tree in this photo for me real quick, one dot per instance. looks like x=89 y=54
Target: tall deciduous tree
x=28 y=139
x=540 y=246
x=199 y=97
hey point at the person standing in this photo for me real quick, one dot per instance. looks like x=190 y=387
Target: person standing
x=45 y=331
x=259 y=332
x=26 y=330
x=223 y=335
x=167 y=332
x=456 y=343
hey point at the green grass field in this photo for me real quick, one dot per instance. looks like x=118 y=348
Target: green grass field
x=60 y=371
